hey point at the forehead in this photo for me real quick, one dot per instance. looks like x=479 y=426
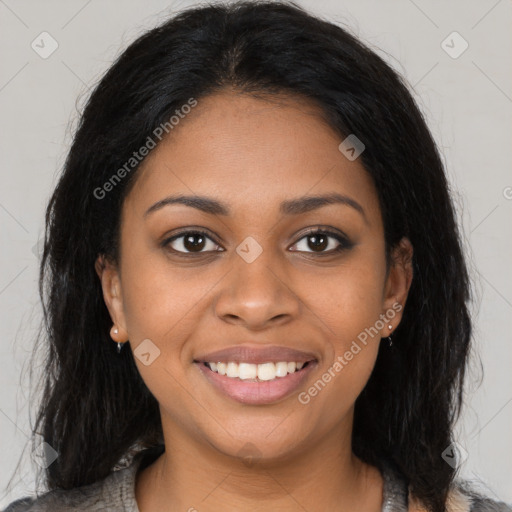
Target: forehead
x=253 y=153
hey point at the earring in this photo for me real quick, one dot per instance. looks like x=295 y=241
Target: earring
x=389 y=337
x=115 y=330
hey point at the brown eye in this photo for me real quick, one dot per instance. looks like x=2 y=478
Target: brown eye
x=191 y=242
x=322 y=242
x=318 y=242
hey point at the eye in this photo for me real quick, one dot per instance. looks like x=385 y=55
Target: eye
x=323 y=242
x=189 y=242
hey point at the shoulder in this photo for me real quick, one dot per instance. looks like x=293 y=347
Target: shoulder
x=464 y=498
x=115 y=492
x=58 y=500
x=463 y=492
x=101 y=495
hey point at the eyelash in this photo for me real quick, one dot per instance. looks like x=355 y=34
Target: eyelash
x=344 y=243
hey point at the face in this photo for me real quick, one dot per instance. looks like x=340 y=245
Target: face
x=256 y=276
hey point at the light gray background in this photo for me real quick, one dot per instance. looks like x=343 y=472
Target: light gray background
x=468 y=105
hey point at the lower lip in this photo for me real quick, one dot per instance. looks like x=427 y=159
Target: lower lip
x=256 y=393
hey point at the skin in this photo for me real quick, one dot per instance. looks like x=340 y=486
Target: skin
x=252 y=154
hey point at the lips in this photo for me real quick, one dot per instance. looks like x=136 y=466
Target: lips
x=257 y=355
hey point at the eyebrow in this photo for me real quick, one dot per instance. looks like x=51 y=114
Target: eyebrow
x=289 y=207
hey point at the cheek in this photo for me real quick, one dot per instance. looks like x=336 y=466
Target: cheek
x=350 y=307
x=352 y=317
x=342 y=383
x=161 y=308
x=157 y=298
x=350 y=298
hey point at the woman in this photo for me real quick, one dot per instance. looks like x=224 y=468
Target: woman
x=254 y=288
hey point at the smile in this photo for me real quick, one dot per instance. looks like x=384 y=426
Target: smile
x=256 y=384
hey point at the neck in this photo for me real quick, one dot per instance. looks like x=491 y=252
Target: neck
x=193 y=476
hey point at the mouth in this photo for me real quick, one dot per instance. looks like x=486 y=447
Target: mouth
x=256 y=384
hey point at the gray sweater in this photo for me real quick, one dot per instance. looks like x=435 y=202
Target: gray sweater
x=116 y=493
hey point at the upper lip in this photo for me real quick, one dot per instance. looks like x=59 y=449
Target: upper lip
x=257 y=355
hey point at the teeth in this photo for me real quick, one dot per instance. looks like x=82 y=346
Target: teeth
x=246 y=371
x=264 y=371
x=232 y=370
x=281 y=369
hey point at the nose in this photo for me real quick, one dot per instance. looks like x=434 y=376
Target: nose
x=257 y=294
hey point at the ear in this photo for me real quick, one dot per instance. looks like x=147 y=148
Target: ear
x=398 y=283
x=112 y=294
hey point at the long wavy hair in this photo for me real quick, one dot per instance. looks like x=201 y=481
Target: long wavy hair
x=95 y=408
